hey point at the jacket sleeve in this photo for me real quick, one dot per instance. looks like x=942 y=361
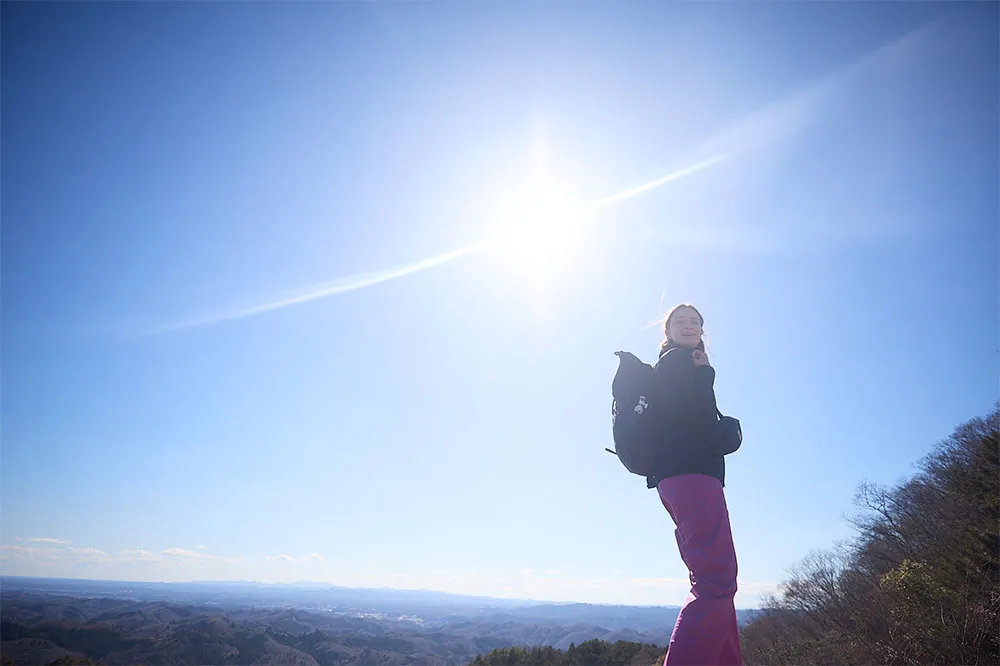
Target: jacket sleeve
x=686 y=392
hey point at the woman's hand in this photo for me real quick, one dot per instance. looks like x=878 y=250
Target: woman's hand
x=699 y=357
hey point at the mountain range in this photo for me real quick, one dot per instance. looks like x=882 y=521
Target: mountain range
x=115 y=622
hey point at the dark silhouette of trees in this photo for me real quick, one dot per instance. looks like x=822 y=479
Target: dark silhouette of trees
x=590 y=653
x=919 y=584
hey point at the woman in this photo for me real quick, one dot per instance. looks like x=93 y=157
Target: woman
x=689 y=478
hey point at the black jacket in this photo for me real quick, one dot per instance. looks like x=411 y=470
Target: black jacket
x=686 y=396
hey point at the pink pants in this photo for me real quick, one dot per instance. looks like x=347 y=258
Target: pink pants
x=705 y=632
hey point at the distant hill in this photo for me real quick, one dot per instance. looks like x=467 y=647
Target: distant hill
x=40 y=628
x=236 y=593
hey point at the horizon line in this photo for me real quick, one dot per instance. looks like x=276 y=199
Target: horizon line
x=348 y=587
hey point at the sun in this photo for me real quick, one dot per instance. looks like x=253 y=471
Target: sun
x=540 y=233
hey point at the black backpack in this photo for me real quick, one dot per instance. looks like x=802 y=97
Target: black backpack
x=636 y=423
x=634 y=416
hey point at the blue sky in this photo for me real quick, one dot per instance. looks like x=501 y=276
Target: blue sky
x=175 y=172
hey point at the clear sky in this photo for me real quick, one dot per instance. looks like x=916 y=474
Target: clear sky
x=220 y=360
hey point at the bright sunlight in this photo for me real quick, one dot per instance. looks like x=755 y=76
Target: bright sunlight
x=541 y=234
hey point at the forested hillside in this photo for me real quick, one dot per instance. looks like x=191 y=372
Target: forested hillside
x=920 y=582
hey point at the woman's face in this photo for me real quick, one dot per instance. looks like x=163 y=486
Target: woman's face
x=684 y=328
